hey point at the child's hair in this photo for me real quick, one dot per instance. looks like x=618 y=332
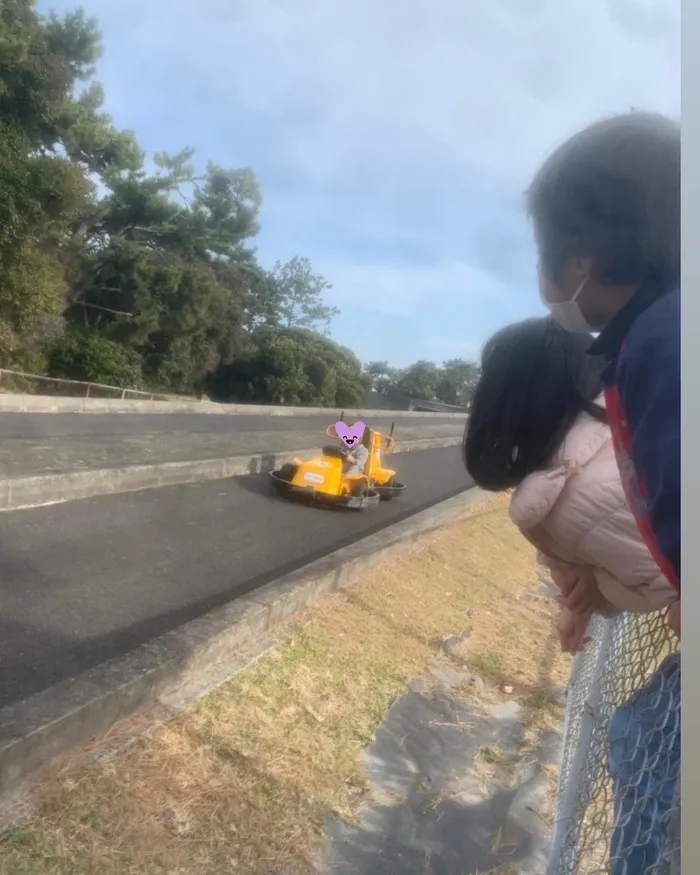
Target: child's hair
x=613 y=192
x=536 y=378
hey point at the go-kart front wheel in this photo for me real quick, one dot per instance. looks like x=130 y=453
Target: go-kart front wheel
x=281 y=479
x=287 y=472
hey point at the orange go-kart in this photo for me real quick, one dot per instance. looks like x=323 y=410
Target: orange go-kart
x=325 y=478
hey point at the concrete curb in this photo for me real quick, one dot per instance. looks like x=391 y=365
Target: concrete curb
x=58 y=404
x=52 y=723
x=20 y=493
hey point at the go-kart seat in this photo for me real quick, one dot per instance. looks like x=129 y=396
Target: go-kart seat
x=367 y=443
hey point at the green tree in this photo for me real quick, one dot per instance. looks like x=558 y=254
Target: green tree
x=299 y=296
x=261 y=299
x=169 y=278
x=94 y=359
x=148 y=277
x=383 y=377
x=419 y=380
x=292 y=366
x=49 y=140
x=458 y=379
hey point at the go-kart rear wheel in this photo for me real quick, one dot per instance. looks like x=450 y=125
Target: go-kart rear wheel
x=387 y=496
x=281 y=479
x=391 y=489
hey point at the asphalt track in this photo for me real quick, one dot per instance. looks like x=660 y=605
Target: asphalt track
x=107 y=425
x=86 y=581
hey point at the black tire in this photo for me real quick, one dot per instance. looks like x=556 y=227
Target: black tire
x=287 y=472
x=388 y=496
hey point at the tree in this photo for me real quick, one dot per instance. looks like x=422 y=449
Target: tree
x=261 y=299
x=383 y=377
x=299 y=296
x=94 y=359
x=169 y=279
x=293 y=366
x=458 y=379
x=49 y=141
x=420 y=380
x=453 y=383
x=114 y=273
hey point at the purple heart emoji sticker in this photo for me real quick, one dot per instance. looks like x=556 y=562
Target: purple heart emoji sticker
x=350 y=435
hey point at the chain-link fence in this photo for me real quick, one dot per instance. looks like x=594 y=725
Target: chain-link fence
x=617 y=810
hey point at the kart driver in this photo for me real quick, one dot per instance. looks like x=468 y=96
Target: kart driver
x=356 y=460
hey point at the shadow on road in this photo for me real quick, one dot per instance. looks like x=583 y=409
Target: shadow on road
x=257 y=484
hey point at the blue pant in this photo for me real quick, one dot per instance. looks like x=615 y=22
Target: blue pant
x=644 y=762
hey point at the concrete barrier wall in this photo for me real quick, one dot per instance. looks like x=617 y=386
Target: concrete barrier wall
x=18 y=403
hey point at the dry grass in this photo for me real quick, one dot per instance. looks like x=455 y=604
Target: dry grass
x=241 y=781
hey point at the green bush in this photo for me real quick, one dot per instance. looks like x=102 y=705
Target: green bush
x=94 y=359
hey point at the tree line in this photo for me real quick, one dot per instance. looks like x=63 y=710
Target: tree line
x=142 y=274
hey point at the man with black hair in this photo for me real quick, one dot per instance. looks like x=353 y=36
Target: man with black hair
x=606 y=213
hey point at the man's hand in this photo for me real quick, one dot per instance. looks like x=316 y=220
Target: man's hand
x=578 y=588
x=572 y=631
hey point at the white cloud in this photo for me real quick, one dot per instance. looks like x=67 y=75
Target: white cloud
x=486 y=88
x=405 y=289
x=386 y=98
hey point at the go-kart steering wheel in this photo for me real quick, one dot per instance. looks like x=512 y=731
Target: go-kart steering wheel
x=332 y=433
x=336 y=451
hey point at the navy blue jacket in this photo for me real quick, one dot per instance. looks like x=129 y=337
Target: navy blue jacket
x=642 y=395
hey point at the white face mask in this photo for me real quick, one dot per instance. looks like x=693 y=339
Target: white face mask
x=568 y=313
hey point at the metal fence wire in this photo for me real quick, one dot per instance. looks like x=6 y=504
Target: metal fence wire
x=617 y=809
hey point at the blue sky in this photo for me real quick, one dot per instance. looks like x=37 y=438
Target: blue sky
x=392 y=140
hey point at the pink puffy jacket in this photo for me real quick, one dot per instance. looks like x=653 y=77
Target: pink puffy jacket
x=575 y=513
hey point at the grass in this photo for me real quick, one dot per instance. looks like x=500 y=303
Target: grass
x=491 y=754
x=242 y=780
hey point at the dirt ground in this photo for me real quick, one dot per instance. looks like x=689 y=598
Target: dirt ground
x=244 y=780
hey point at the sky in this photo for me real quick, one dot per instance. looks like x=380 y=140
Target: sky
x=393 y=140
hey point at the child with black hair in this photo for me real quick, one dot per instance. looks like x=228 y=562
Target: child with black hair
x=538 y=426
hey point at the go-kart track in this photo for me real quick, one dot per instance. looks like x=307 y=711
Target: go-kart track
x=86 y=581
